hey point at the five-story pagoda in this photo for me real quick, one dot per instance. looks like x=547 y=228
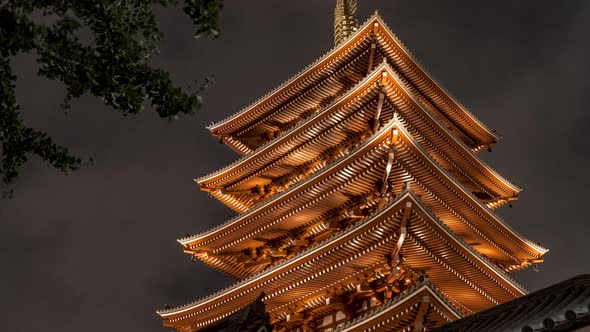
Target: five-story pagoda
x=362 y=202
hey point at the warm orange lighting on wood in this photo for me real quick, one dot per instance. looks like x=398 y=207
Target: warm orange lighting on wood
x=359 y=188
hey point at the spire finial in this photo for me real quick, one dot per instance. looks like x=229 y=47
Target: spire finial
x=345 y=22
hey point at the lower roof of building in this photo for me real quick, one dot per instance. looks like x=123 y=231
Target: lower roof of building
x=561 y=307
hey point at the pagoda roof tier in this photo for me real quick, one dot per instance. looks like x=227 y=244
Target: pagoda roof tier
x=330 y=76
x=467 y=279
x=355 y=174
x=460 y=209
x=338 y=78
x=339 y=125
x=404 y=312
x=333 y=126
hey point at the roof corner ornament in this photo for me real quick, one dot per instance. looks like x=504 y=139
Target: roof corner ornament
x=345 y=22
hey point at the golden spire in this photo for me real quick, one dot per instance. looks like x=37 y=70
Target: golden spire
x=345 y=22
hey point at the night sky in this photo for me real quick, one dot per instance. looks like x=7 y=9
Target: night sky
x=96 y=250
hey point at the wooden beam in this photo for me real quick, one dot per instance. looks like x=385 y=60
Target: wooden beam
x=259 y=262
x=371 y=56
x=419 y=322
x=278 y=253
x=377 y=115
x=299 y=243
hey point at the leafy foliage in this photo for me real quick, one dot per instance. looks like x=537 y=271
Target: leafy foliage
x=114 y=66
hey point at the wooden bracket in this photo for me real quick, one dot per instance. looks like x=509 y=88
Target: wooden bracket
x=419 y=323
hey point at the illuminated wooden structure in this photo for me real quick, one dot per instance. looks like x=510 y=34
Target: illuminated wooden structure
x=362 y=201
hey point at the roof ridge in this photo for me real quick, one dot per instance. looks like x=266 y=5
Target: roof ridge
x=461 y=241
x=445 y=129
x=293 y=77
x=262 y=147
x=423 y=285
x=434 y=79
x=460 y=185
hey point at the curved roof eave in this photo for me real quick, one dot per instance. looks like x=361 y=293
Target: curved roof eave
x=368 y=25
